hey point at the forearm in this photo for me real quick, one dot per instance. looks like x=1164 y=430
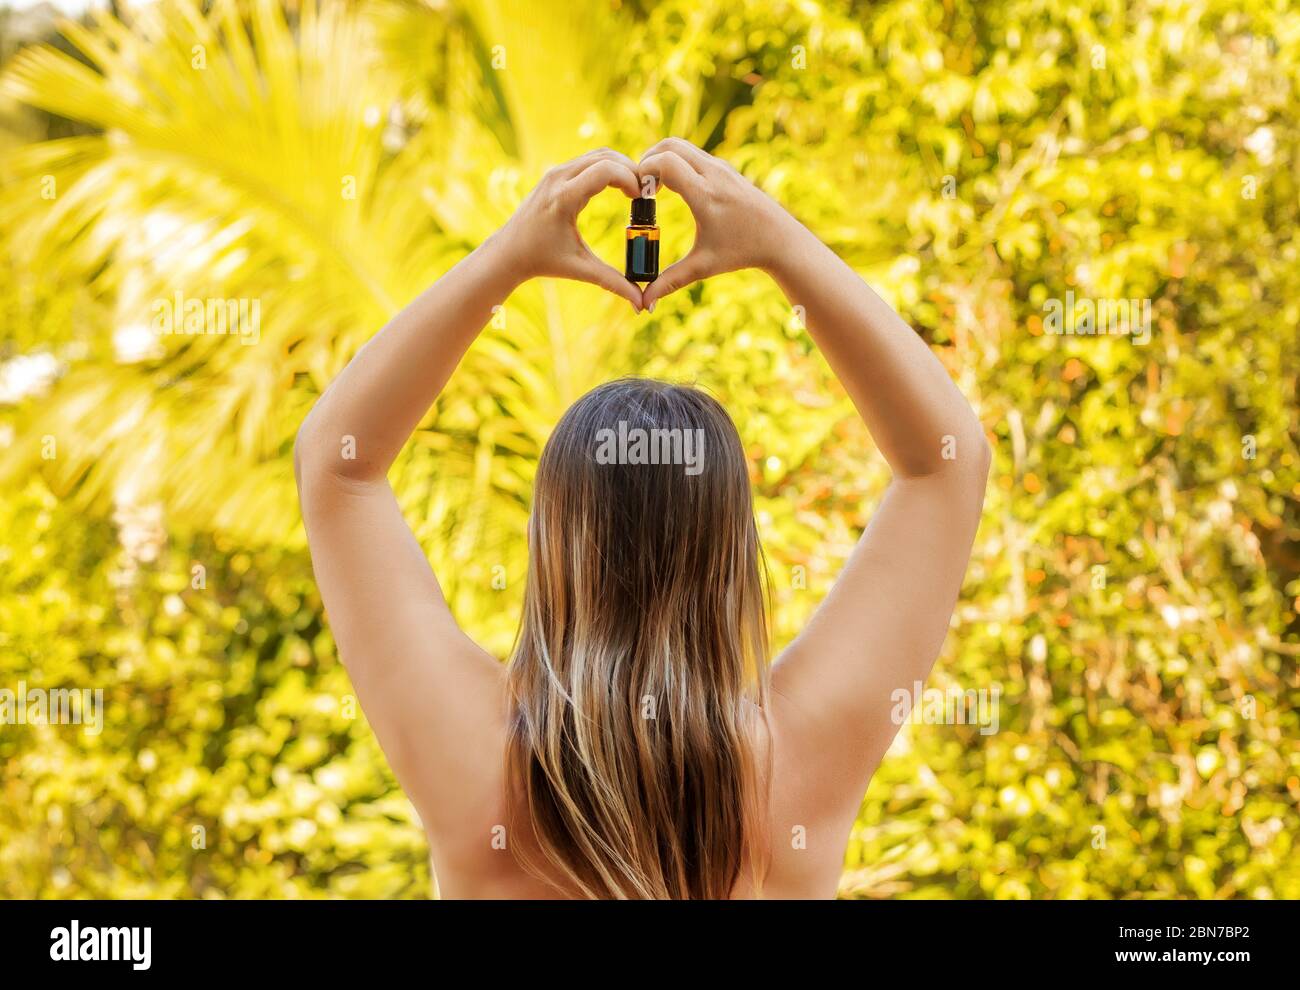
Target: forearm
x=365 y=417
x=918 y=418
x=360 y=424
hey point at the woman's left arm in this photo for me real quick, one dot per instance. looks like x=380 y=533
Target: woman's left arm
x=431 y=695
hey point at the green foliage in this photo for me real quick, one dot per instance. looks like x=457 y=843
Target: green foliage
x=232 y=760
x=1133 y=589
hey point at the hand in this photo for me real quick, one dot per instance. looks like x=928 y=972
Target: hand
x=737 y=225
x=543 y=235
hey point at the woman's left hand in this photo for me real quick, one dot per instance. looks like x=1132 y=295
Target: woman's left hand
x=737 y=225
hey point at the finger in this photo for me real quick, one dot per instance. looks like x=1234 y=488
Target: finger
x=573 y=167
x=673 y=171
x=698 y=158
x=606 y=172
x=692 y=268
x=589 y=268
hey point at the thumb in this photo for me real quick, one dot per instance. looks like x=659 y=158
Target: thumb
x=589 y=268
x=676 y=276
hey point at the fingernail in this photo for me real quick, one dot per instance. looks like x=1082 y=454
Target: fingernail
x=651 y=307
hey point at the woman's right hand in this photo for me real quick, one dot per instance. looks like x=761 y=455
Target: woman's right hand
x=737 y=225
x=542 y=237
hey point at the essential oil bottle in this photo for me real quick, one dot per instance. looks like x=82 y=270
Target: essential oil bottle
x=642 y=242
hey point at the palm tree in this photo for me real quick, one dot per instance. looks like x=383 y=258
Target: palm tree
x=325 y=167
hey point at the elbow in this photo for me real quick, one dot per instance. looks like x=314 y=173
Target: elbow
x=307 y=463
x=314 y=464
x=983 y=458
x=975 y=456
x=968 y=451
x=314 y=472
x=977 y=471
x=326 y=460
x=299 y=455
x=965 y=465
x=964 y=453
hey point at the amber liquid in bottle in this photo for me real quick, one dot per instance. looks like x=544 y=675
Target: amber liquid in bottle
x=642 y=243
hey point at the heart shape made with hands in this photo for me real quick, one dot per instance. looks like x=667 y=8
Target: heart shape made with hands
x=737 y=225
x=702 y=180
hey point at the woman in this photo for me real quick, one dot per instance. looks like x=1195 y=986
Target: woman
x=637 y=745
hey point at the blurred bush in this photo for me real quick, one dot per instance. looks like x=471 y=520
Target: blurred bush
x=1134 y=589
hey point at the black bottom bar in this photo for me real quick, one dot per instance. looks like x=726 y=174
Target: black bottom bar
x=993 y=942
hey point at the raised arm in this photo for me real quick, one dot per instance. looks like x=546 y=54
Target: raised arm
x=883 y=623
x=434 y=698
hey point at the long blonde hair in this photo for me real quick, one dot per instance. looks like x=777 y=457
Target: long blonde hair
x=641 y=668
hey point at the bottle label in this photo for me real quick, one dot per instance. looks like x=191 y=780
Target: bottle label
x=642 y=257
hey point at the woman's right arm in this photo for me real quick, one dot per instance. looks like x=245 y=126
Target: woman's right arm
x=434 y=698
x=884 y=621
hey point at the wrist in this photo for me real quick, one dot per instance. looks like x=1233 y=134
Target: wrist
x=785 y=239
x=506 y=264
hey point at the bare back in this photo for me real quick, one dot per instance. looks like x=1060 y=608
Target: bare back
x=477 y=861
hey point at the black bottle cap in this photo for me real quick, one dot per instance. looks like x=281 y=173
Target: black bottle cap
x=643 y=212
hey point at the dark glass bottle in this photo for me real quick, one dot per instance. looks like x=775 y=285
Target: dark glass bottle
x=642 y=243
